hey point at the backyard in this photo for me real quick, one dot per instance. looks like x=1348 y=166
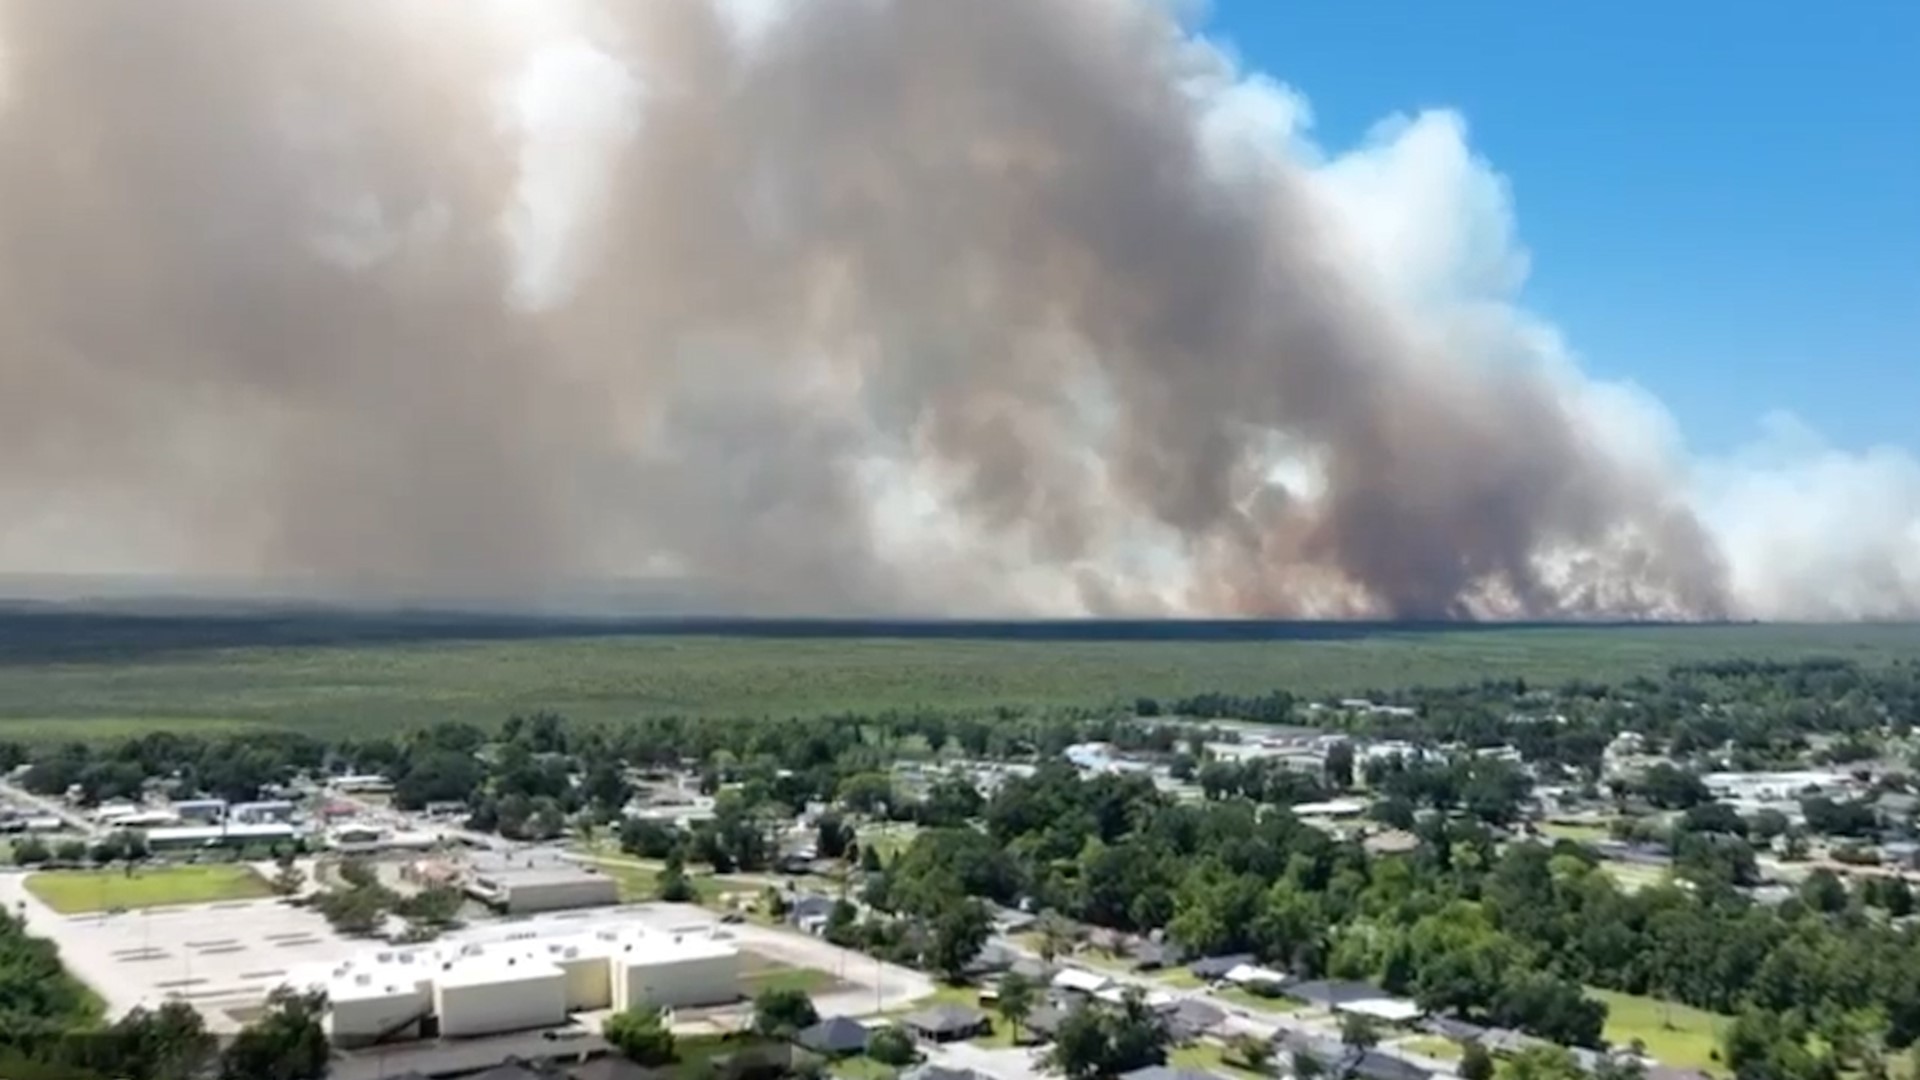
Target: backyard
x=1677 y=1035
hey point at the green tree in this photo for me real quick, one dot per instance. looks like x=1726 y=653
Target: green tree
x=1251 y=1050
x=168 y=1043
x=1015 y=1000
x=1824 y=891
x=780 y=1011
x=1541 y=1063
x=286 y=1042
x=606 y=787
x=892 y=1045
x=359 y=873
x=1081 y=1045
x=959 y=933
x=356 y=911
x=832 y=836
x=435 y=906
x=1339 y=765
x=648 y=839
x=288 y=879
x=1358 y=1032
x=641 y=1034
x=1057 y=935
x=674 y=887
x=1097 y=1040
x=1475 y=1062
x=865 y=793
x=31 y=851
x=951 y=802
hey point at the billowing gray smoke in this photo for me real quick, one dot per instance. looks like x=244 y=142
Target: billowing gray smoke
x=900 y=305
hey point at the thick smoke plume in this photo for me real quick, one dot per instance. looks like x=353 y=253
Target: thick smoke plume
x=838 y=306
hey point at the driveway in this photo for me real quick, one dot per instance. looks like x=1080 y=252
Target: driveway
x=1002 y=1063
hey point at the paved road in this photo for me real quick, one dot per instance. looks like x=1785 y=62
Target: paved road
x=50 y=807
x=1003 y=1063
x=404 y=822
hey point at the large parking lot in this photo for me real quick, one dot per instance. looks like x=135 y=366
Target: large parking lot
x=226 y=957
x=218 y=956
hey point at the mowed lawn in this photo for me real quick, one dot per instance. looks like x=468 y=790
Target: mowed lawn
x=1674 y=1034
x=73 y=891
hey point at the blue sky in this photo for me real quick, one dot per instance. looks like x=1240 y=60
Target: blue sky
x=1722 y=200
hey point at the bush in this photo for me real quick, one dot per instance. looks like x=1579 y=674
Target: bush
x=641 y=1034
x=892 y=1046
x=31 y=852
x=783 y=1011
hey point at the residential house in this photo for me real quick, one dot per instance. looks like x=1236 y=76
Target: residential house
x=1187 y=1019
x=947 y=1023
x=810 y=911
x=1496 y=1040
x=1080 y=981
x=1043 y=1023
x=991 y=960
x=1375 y=1065
x=1341 y=1062
x=1156 y=956
x=1355 y=997
x=1215 y=968
x=836 y=1036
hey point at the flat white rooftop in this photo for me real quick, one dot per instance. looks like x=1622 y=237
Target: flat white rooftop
x=491 y=968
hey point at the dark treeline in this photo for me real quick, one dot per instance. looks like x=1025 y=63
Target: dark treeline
x=119 y=629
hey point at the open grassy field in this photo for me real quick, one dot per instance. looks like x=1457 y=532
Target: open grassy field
x=762 y=974
x=1632 y=877
x=357 y=685
x=73 y=891
x=1676 y=1035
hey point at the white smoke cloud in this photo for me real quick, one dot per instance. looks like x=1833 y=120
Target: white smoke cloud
x=1809 y=530
x=573 y=108
x=1814 y=532
x=1122 y=484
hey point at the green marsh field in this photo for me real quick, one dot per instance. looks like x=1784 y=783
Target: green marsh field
x=66 y=677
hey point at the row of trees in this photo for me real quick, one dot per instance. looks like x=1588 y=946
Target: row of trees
x=49 y=1028
x=361 y=903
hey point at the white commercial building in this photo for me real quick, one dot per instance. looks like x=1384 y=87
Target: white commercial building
x=488 y=992
x=233 y=835
x=374 y=996
x=518 y=984
x=1778 y=786
x=674 y=971
x=540 y=884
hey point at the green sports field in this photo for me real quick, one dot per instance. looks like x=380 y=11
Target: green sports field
x=74 y=891
x=379 y=687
